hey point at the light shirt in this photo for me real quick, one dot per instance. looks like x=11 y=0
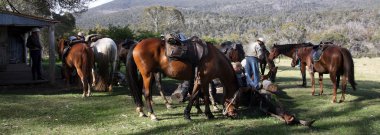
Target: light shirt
x=253 y=49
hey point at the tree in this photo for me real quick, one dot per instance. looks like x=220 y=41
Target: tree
x=161 y=18
x=66 y=25
x=45 y=8
x=118 y=33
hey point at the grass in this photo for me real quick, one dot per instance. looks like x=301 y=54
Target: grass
x=29 y=110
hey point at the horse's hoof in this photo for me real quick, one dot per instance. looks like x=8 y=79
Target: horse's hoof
x=334 y=101
x=187 y=117
x=199 y=111
x=142 y=115
x=341 y=101
x=168 y=106
x=307 y=123
x=210 y=116
x=215 y=109
x=153 y=117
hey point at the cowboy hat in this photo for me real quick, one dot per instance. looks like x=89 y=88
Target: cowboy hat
x=260 y=39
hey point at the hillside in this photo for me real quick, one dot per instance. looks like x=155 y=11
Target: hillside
x=352 y=23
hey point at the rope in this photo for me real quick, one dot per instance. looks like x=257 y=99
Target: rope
x=232 y=101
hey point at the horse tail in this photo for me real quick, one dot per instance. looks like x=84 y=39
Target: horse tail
x=348 y=64
x=132 y=77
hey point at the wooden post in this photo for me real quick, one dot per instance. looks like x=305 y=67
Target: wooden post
x=51 y=54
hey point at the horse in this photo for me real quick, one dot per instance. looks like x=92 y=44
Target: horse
x=233 y=51
x=287 y=52
x=123 y=49
x=105 y=53
x=80 y=57
x=150 y=56
x=335 y=61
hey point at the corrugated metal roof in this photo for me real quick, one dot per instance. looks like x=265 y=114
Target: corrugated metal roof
x=15 y=19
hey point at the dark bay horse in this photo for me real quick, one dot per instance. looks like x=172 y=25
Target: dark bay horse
x=233 y=51
x=335 y=61
x=80 y=57
x=287 y=51
x=149 y=56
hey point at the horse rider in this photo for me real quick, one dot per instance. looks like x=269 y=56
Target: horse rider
x=80 y=36
x=252 y=67
x=35 y=49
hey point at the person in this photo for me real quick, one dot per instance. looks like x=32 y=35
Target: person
x=252 y=67
x=35 y=48
x=80 y=36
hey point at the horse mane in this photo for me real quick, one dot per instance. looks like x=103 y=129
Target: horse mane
x=287 y=47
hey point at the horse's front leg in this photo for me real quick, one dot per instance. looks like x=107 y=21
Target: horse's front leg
x=206 y=96
x=148 y=99
x=157 y=77
x=303 y=73
x=113 y=68
x=212 y=93
x=93 y=77
x=193 y=96
x=320 y=83
x=333 y=80
x=312 y=83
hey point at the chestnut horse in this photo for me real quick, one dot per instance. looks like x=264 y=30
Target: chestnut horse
x=335 y=61
x=149 y=56
x=123 y=49
x=80 y=57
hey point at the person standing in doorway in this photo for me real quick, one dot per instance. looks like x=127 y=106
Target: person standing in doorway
x=35 y=49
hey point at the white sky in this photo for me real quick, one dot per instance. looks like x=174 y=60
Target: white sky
x=98 y=3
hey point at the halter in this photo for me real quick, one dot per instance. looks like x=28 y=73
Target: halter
x=232 y=101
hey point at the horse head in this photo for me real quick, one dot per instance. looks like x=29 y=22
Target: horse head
x=61 y=45
x=231 y=105
x=274 y=52
x=234 y=51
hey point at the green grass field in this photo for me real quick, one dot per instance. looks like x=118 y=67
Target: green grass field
x=29 y=110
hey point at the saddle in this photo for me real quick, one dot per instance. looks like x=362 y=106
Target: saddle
x=192 y=50
x=318 y=50
x=68 y=45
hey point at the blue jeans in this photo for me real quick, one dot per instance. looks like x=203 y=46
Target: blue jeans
x=252 y=69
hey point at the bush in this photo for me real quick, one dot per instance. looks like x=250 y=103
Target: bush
x=119 y=33
x=146 y=34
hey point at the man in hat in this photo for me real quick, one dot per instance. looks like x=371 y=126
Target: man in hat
x=252 y=67
x=34 y=45
x=81 y=36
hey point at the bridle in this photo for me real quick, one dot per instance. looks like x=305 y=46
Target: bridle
x=231 y=102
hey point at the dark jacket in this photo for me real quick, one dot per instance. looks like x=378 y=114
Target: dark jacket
x=33 y=42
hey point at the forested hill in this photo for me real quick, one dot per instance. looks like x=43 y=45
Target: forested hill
x=352 y=23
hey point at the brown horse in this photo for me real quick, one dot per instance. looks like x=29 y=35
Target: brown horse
x=149 y=56
x=335 y=60
x=123 y=49
x=80 y=57
x=289 y=53
x=233 y=51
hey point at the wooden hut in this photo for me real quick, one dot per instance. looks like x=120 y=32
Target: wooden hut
x=14 y=30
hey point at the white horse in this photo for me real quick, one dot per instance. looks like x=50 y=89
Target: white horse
x=105 y=53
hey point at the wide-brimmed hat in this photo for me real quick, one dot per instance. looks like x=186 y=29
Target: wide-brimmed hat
x=260 y=39
x=35 y=30
x=81 y=34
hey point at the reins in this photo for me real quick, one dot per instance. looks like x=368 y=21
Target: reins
x=232 y=101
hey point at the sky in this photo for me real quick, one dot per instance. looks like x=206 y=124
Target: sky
x=98 y=3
